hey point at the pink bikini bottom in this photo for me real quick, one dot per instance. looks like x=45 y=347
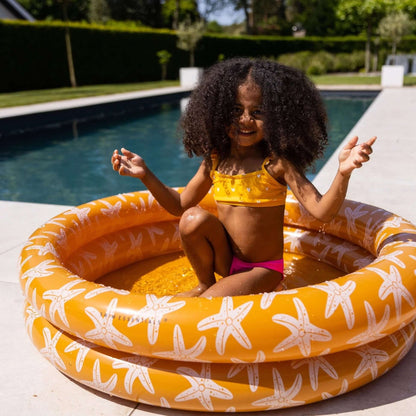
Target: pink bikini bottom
x=238 y=265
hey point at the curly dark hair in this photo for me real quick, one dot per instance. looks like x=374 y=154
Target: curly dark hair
x=294 y=114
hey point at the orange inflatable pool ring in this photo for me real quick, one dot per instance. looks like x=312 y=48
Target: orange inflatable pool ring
x=325 y=338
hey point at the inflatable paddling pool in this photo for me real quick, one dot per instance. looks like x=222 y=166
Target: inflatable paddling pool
x=100 y=280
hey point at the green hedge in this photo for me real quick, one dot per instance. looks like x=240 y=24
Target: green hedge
x=34 y=54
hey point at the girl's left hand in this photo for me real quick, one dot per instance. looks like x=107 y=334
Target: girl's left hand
x=353 y=155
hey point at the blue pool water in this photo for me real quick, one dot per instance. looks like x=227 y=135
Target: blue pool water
x=71 y=165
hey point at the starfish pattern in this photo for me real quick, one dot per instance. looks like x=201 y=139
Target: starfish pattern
x=339 y=295
x=281 y=397
x=314 y=364
x=252 y=369
x=60 y=238
x=32 y=313
x=369 y=358
x=393 y=285
x=135 y=243
x=83 y=348
x=267 y=299
x=352 y=215
x=408 y=343
x=111 y=210
x=81 y=213
x=44 y=249
x=180 y=353
x=228 y=322
x=59 y=297
x=49 y=350
x=202 y=387
x=153 y=314
x=96 y=382
x=137 y=367
x=391 y=257
x=153 y=231
x=109 y=248
x=42 y=269
x=294 y=239
x=104 y=329
x=303 y=332
x=105 y=289
x=373 y=332
x=344 y=389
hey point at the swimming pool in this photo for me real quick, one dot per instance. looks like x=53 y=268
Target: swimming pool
x=70 y=164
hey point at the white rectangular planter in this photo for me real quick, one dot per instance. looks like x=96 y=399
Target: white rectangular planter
x=189 y=77
x=392 y=75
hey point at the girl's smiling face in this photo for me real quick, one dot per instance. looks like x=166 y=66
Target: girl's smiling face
x=247 y=126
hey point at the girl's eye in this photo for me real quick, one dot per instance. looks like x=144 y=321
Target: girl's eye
x=257 y=113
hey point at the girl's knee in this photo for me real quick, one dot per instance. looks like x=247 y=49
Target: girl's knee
x=193 y=221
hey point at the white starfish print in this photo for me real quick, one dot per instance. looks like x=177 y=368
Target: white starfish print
x=228 y=322
x=111 y=210
x=81 y=213
x=293 y=238
x=152 y=230
x=352 y=215
x=32 y=313
x=303 y=332
x=202 y=387
x=109 y=248
x=180 y=353
x=267 y=299
x=135 y=243
x=42 y=269
x=49 y=350
x=281 y=397
x=60 y=238
x=153 y=313
x=344 y=389
x=339 y=295
x=314 y=364
x=59 y=297
x=83 y=348
x=393 y=285
x=176 y=236
x=373 y=332
x=137 y=367
x=44 y=249
x=370 y=357
x=97 y=384
x=408 y=343
x=104 y=329
x=363 y=262
x=105 y=289
x=392 y=257
x=55 y=221
x=252 y=369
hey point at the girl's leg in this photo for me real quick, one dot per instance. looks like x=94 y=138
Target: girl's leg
x=256 y=280
x=205 y=243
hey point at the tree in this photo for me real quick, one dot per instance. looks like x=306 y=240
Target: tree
x=77 y=10
x=69 y=57
x=99 y=11
x=393 y=27
x=175 y=11
x=164 y=58
x=148 y=12
x=366 y=15
x=189 y=35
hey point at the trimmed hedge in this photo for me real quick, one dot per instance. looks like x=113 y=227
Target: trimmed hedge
x=34 y=54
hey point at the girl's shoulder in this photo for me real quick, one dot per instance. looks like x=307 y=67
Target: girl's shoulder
x=279 y=167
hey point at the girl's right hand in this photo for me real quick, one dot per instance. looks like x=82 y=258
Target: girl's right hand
x=128 y=164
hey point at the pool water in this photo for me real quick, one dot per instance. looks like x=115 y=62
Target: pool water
x=71 y=165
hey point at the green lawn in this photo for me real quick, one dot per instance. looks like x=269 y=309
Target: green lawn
x=56 y=94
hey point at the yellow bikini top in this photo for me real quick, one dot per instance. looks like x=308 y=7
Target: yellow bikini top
x=253 y=189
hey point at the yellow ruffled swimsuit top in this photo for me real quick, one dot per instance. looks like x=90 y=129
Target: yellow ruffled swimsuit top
x=253 y=189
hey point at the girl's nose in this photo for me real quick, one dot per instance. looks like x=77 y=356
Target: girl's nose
x=245 y=117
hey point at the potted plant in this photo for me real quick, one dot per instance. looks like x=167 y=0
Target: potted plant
x=189 y=35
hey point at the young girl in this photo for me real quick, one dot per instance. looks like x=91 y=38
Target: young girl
x=258 y=125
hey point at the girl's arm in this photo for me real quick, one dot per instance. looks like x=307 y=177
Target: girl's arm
x=325 y=207
x=130 y=164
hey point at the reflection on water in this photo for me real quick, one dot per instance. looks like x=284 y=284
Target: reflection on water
x=71 y=165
